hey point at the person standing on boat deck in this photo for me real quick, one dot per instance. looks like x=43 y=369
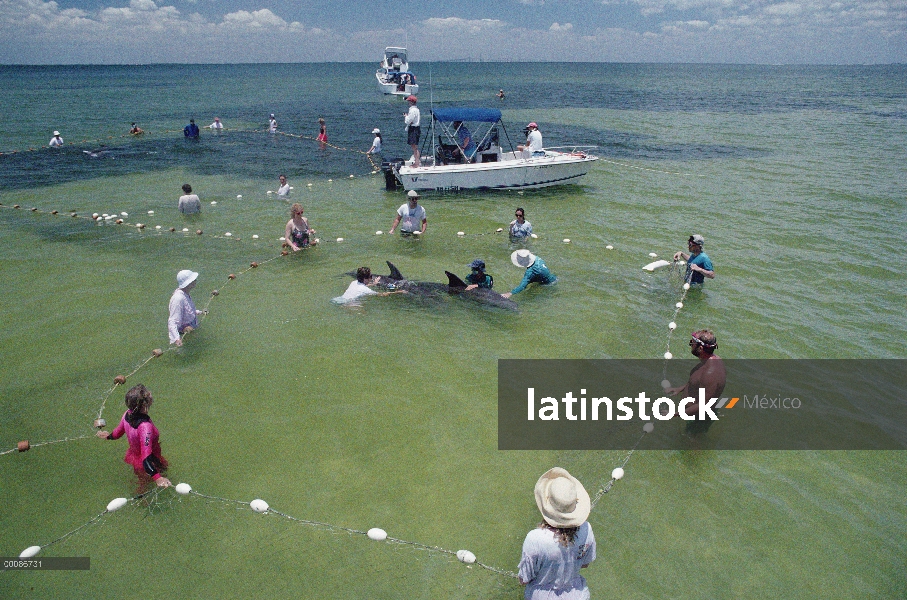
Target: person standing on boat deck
x=520 y=227
x=699 y=265
x=467 y=147
x=536 y=271
x=533 y=141
x=412 y=118
x=376 y=143
x=56 y=141
x=411 y=214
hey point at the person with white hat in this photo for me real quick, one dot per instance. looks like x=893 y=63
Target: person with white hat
x=536 y=271
x=411 y=214
x=562 y=544
x=699 y=265
x=376 y=144
x=183 y=314
x=56 y=141
x=272 y=124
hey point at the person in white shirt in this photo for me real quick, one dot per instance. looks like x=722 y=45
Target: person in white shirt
x=412 y=215
x=183 y=314
x=412 y=118
x=56 y=141
x=360 y=287
x=284 y=189
x=189 y=203
x=272 y=124
x=216 y=124
x=376 y=144
x=533 y=141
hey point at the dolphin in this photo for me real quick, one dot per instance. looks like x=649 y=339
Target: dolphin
x=454 y=286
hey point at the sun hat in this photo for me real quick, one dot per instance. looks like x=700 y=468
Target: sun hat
x=533 y=124
x=562 y=499
x=477 y=264
x=412 y=194
x=697 y=239
x=185 y=277
x=522 y=258
x=411 y=98
x=56 y=133
x=376 y=130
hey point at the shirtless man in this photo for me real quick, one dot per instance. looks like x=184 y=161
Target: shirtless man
x=708 y=374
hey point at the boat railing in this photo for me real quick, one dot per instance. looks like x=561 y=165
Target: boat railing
x=571 y=150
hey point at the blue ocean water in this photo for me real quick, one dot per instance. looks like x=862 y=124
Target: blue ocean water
x=386 y=415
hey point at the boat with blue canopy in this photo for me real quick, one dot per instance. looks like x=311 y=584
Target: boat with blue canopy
x=464 y=151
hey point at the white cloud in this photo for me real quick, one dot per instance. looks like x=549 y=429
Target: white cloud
x=258 y=19
x=784 y=9
x=559 y=27
x=463 y=25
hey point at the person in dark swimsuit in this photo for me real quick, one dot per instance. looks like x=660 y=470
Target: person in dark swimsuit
x=298 y=230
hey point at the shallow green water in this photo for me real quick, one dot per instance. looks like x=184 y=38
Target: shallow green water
x=385 y=416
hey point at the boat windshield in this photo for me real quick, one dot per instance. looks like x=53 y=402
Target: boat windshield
x=395 y=57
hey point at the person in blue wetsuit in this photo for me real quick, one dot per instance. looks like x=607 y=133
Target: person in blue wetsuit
x=191 y=130
x=699 y=265
x=478 y=278
x=536 y=271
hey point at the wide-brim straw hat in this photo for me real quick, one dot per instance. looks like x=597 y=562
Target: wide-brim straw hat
x=562 y=499
x=185 y=277
x=522 y=258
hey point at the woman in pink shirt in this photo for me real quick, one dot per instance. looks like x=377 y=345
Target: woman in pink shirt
x=144 y=453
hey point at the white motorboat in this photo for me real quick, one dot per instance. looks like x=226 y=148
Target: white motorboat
x=394 y=76
x=489 y=166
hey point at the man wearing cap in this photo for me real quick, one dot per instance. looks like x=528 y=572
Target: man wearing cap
x=412 y=118
x=562 y=544
x=479 y=278
x=699 y=265
x=183 y=313
x=216 y=124
x=536 y=271
x=56 y=141
x=709 y=374
x=533 y=141
x=412 y=215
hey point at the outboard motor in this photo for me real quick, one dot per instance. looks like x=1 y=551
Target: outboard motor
x=391 y=183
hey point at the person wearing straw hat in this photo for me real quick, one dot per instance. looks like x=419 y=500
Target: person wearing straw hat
x=536 y=271
x=183 y=313
x=411 y=214
x=56 y=141
x=699 y=265
x=562 y=544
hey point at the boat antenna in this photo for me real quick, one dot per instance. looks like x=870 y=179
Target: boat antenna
x=431 y=105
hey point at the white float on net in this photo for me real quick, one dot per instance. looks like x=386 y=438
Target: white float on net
x=183 y=488
x=377 y=534
x=30 y=551
x=259 y=505
x=116 y=504
x=465 y=556
x=672 y=325
x=668 y=356
x=617 y=474
x=648 y=427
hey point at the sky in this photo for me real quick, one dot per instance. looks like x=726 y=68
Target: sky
x=244 y=31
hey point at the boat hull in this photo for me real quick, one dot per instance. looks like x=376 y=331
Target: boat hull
x=513 y=174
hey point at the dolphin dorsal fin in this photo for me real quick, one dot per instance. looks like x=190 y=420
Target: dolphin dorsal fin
x=395 y=272
x=454 y=281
